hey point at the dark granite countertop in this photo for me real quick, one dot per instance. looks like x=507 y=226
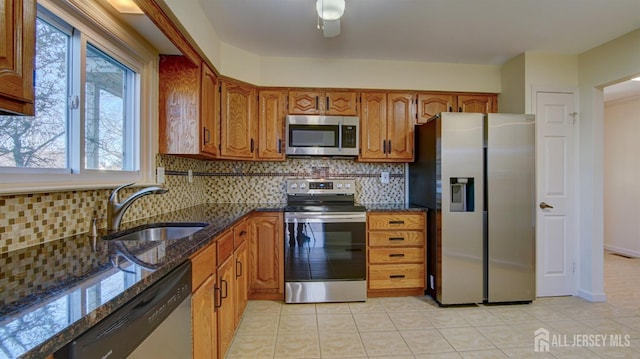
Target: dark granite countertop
x=391 y=207
x=52 y=292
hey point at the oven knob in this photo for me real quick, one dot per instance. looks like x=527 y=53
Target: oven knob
x=294 y=185
x=347 y=185
x=339 y=185
x=302 y=185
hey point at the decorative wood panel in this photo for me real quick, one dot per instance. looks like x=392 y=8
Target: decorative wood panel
x=204 y=321
x=242 y=281
x=396 y=239
x=226 y=311
x=17 y=56
x=179 y=101
x=476 y=103
x=396 y=221
x=396 y=255
x=271 y=116
x=394 y=276
x=203 y=265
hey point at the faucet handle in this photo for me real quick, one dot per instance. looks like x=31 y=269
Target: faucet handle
x=114 y=194
x=94 y=225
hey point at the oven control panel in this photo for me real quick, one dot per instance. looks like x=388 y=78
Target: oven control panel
x=320 y=186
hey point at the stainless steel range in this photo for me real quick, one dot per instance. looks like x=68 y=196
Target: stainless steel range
x=325 y=234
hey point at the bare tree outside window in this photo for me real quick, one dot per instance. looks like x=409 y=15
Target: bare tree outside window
x=40 y=141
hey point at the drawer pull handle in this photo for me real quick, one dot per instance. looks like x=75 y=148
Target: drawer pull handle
x=238 y=271
x=217 y=303
x=226 y=290
x=396 y=276
x=396 y=238
x=396 y=222
x=396 y=255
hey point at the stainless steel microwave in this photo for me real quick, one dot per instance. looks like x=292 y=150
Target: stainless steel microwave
x=323 y=135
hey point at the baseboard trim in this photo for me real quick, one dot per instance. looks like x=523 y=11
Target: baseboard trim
x=592 y=297
x=623 y=251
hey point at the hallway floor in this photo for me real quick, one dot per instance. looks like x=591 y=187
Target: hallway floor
x=415 y=327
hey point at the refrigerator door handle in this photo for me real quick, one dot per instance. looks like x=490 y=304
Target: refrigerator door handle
x=545 y=206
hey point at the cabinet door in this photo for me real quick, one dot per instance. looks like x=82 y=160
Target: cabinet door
x=17 y=54
x=341 y=103
x=431 y=104
x=209 y=113
x=179 y=102
x=226 y=313
x=271 y=114
x=373 y=126
x=476 y=103
x=266 y=279
x=204 y=321
x=400 y=126
x=242 y=281
x=237 y=122
x=306 y=102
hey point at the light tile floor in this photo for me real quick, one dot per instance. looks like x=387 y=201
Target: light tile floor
x=415 y=327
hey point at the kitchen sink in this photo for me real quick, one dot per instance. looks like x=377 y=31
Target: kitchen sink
x=161 y=232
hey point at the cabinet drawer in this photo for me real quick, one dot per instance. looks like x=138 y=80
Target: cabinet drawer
x=225 y=246
x=240 y=233
x=392 y=276
x=203 y=265
x=402 y=221
x=396 y=238
x=396 y=255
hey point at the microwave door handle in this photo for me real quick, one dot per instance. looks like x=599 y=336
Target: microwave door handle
x=340 y=136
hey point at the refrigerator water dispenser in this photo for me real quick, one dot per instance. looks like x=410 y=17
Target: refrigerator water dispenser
x=461 y=194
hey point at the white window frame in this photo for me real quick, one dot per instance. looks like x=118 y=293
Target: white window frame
x=100 y=29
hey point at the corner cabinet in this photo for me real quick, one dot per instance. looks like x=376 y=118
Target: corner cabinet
x=432 y=103
x=237 y=122
x=17 y=56
x=271 y=116
x=266 y=252
x=396 y=253
x=387 y=127
x=334 y=103
x=189 y=108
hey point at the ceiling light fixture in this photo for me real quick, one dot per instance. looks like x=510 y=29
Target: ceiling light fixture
x=329 y=13
x=125 y=6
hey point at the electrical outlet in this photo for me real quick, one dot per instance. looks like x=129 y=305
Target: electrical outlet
x=160 y=175
x=190 y=176
x=384 y=177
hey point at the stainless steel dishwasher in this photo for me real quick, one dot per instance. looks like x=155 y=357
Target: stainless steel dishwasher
x=155 y=324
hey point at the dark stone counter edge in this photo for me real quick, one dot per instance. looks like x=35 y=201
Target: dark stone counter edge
x=202 y=239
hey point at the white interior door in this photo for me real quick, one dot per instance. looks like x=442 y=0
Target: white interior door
x=555 y=229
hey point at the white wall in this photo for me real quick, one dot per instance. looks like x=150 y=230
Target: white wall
x=512 y=97
x=606 y=64
x=549 y=71
x=621 y=173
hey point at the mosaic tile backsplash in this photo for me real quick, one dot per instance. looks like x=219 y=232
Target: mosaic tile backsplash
x=30 y=219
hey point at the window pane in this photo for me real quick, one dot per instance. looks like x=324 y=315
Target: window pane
x=108 y=116
x=40 y=141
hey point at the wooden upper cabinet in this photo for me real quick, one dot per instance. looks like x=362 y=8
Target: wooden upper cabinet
x=387 y=126
x=271 y=115
x=179 y=106
x=210 y=113
x=431 y=104
x=373 y=126
x=341 y=103
x=17 y=56
x=478 y=103
x=237 y=123
x=338 y=103
x=400 y=126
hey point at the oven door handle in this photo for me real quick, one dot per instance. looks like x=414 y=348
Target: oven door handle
x=324 y=217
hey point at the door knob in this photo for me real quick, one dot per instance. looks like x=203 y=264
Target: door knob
x=545 y=206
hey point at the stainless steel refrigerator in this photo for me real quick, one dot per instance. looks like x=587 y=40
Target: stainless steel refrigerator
x=476 y=175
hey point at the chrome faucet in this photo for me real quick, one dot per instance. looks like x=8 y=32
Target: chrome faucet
x=116 y=210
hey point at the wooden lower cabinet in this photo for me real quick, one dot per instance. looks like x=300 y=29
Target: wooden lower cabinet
x=226 y=311
x=266 y=261
x=241 y=285
x=203 y=301
x=396 y=253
